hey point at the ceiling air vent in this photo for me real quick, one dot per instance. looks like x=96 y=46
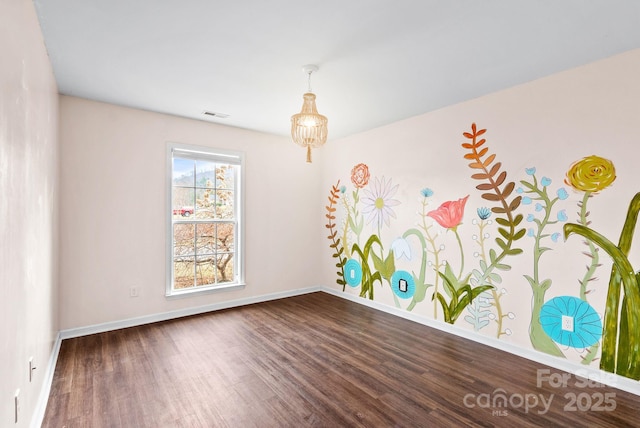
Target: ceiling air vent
x=215 y=114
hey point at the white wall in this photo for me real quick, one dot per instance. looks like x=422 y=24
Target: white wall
x=548 y=124
x=28 y=218
x=113 y=211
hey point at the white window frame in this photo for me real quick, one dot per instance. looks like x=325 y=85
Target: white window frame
x=216 y=155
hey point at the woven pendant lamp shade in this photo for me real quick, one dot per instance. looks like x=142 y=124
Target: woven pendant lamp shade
x=308 y=128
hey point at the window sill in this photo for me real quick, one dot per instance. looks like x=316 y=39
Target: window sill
x=191 y=292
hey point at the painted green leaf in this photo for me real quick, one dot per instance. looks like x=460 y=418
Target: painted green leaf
x=518 y=219
x=503 y=222
x=505 y=233
x=623 y=363
x=502 y=266
x=531 y=281
x=495 y=278
x=527 y=185
x=519 y=234
x=621 y=272
x=492 y=256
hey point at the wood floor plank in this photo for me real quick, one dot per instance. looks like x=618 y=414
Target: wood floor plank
x=308 y=361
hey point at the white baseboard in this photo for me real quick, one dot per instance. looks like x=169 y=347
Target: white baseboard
x=43 y=398
x=601 y=376
x=164 y=316
x=41 y=406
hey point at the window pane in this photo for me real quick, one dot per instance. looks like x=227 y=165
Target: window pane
x=183 y=272
x=206 y=239
x=183 y=239
x=205 y=174
x=183 y=202
x=224 y=204
x=204 y=226
x=205 y=204
x=225 y=177
x=226 y=237
x=183 y=170
x=206 y=270
x=224 y=265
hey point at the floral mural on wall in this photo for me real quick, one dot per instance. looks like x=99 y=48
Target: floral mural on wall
x=456 y=274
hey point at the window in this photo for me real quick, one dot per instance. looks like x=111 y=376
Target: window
x=205 y=220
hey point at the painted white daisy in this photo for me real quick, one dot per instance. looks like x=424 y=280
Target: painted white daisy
x=378 y=202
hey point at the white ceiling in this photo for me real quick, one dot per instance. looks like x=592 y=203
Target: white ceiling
x=380 y=60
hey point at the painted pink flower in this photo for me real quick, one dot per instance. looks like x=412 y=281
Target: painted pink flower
x=449 y=214
x=360 y=175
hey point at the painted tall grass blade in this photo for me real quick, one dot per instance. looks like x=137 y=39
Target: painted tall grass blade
x=621 y=331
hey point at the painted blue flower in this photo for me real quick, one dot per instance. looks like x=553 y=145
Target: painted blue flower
x=526 y=200
x=426 y=192
x=562 y=215
x=403 y=284
x=401 y=248
x=519 y=190
x=484 y=213
x=531 y=217
x=352 y=273
x=555 y=236
x=539 y=207
x=530 y=171
x=571 y=321
x=343 y=189
x=545 y=181
x=531 y=232
x=562 y=194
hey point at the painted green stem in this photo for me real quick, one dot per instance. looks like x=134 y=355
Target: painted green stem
x=593 y=251
x=539 y=339
x=619 y=355
x=368 y=278
x=354 y=221
x=455 y=230
x=434 y=250
x=420 y=280
x=460 y=297
x=590 y=273
x=494 y=292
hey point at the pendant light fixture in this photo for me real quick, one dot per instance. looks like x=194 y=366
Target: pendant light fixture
x=309 y=128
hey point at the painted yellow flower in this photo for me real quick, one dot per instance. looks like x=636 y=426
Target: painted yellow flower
x=591 y=174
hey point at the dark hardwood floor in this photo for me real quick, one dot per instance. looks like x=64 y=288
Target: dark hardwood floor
x=312 y=360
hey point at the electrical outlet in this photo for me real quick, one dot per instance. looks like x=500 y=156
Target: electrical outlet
x=134 y=291
x=16 y=405
x=567 y=323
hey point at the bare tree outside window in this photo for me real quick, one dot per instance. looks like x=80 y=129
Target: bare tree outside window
x=204 y=222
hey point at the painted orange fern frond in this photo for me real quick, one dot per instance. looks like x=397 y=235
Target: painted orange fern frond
x=338 y=249
x=496 y=189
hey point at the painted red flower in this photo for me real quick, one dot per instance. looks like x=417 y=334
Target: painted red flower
x=449 y=214
x=360 y=175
